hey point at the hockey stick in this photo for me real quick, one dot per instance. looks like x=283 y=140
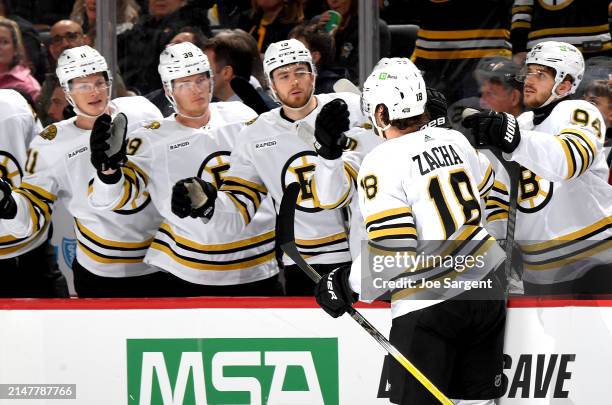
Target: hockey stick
x=286 y=239
x=514 y=170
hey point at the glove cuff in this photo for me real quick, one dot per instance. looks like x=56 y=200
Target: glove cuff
x=328 y=153
x=110 y=178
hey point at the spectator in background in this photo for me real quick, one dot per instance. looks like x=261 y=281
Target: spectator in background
x=347 y=36
x=499 y=89
x=139 y=48
x=321 y=45
x=14 y=73
x=270 y=21
x=43 y=13
x=84 y=12
x=64 y=34
x=599 y=93
x=31 y=39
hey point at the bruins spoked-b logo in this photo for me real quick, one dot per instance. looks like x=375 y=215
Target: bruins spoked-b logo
x=10 y=169
x=534 y=192
x=300 y=168
x=216 y=165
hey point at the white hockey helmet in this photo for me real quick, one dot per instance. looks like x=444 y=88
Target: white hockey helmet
x=80 y=62
x=399 y=86
x=285 y=53
x=564 y=58
x=182 y=60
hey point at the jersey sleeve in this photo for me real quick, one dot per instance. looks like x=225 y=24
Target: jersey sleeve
x=570 y=150
x=335 y=181
x=497 y=200
x=387 y=215
x=522 y=11
x=242 y=190
x=132 y=189
x=37 y=193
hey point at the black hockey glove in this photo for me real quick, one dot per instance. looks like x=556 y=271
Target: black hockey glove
x=491 y=128
x=108 y=143
x=194 y=197
x=332 y=121
x=437 y=108
x=8 y=206
x=333 y=292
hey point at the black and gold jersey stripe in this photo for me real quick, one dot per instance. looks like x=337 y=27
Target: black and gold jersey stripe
x=246 y=195
x=392 y=224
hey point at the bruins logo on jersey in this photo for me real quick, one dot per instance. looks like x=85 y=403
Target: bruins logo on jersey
x=300 y=168
x=249 y=122
x=555 y=4
x=10 y=169
x=534 y=192
x=215 y=165
x=49 y=133
x=153 y=125
x=366 y=125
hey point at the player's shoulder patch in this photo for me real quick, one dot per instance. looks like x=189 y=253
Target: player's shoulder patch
x=49 y=133
x=152 y=125
x=250 y=122
x=366 y=125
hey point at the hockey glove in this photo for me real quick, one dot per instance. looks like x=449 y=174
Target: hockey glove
x=194 y=197
x=491 y=128
x=108 y=143
x=332 y=121
x=437 y=108
x=333 y=292
x=8 y=206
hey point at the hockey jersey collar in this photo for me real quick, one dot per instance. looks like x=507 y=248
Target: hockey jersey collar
x=540 y=114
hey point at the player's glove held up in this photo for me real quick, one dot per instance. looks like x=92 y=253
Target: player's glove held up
x=491 y=128
x=332 y=121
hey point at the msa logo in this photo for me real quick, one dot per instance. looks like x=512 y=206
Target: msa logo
x=232 y=371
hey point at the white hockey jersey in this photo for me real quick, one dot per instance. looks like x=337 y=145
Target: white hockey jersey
x=18 y=126
x=335 y=181
x=203 y=254
x=110 y=244
x=273 y=152
x=427 y=186
x=564 y=207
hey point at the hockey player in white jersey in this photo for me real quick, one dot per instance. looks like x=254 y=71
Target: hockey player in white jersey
x=29 y=266
x=418 y=187
x=195 y=142
x=276 y=150
x=564 y=215
x=110 y=246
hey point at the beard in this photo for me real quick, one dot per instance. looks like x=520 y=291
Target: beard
x=293 y=102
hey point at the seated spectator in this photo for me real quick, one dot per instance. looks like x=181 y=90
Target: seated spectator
x=599 y=93
x=322 y=48
x=84 y=13
x=270 y=21
x=499 y=89
x=139 y=48
x=14 y=73
x=189 y=34
x=32 y=43
x=347 y=36
x=64 y=34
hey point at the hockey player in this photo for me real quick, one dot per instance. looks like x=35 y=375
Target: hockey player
x=196 y=141
x=110 y=246
x=564 y=215
x=425 y=185
x=276 y=150
x=28 y=264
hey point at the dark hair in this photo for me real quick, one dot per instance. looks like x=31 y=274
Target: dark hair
x=403 y=123
x=598 y=88
x=317 y=39
x=199 y=39
x=231 y=50
x=291 y=13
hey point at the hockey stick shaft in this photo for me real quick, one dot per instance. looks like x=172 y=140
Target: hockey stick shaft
x=286 y=239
